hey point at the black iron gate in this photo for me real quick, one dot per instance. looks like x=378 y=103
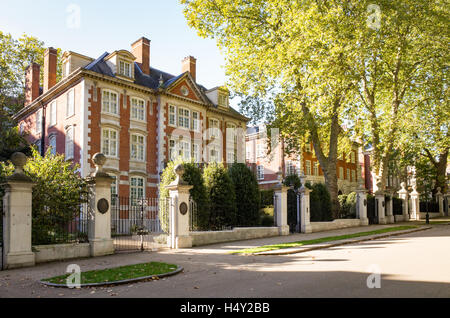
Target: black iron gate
x=137 y=224
x=372 y=211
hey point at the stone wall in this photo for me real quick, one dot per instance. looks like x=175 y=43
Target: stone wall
x=237 y=234
x=59 y=252
x=334 y=225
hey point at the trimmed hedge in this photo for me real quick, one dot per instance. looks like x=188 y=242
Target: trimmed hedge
x=221 y=193
x=320 y=203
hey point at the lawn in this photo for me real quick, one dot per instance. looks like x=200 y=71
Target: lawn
x=266 y=248
x=118 y=273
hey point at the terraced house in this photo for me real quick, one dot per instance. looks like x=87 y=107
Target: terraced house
x=138 y=116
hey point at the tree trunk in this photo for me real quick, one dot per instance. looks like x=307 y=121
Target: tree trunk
x=441 y=169
x=332 y=185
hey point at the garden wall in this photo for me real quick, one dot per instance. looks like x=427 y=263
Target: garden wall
x=59 y=252
x=432 y=215
x=237 y=234
x=334 y=225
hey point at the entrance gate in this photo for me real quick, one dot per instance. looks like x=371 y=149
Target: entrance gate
x=136 y=223
x=372 y=213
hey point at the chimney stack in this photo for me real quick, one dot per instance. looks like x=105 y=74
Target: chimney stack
x=141 y=50
x=32 y=75
x=189 y=65
x=50 y=61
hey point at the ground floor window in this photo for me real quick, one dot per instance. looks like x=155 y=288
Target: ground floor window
x=137 y=188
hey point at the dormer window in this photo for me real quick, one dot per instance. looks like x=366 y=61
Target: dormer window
x=124 y=68
x=223 y=100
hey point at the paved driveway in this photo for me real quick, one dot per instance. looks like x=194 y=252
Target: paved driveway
x=412 y=265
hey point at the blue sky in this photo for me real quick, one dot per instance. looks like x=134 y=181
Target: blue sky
x=112 y=25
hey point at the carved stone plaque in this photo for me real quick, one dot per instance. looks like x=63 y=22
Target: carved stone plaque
x=102 y=206
x=183 y=208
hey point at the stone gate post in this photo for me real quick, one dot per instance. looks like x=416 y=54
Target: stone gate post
x=390 y=207
x=415 y=204
x=361 y=204
x=280 y=193
x=99 y=226
x=380 y=204
x=440 y=200
x=179 y=211
x=305 y=212
x=17 y=209
x=403 y=194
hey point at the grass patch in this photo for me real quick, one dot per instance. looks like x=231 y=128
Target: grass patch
x=118 y=273
x=266 y=248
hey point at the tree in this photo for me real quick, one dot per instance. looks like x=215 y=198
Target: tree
x=58 y=192
x=221 y=195
x=393 y=60
x=15 y=56
x=247 y=194
x=193 y=176
x=296 y=53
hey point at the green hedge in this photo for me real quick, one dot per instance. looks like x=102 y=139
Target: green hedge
x=247 y=194
x=347 y=204
x=222 y=196
x=320 y=203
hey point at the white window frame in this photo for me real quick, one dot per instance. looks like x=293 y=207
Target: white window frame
x=184 y=118
x=172 y=149
x=353 y=176
x=52 y=140
x=38 y=122
x=53 y=114
x=172 y=115
x=137 y=111
x=108 y=139
x=136 y=187
x=195 y=121
x=196 y=155
x=137 y=149
x=69 y=142
x=212 y=127
x=184 y=150
x=352 y=157
x=308 y=167
x=108 y=109
x=348 y=174
x=316 y=168
x=126 y=69
x=341 y=173
x=260 y=172
x=70 y=107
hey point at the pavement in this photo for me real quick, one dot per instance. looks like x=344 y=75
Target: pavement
x=411 y=265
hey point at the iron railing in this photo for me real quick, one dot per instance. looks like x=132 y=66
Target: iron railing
x=58 y=227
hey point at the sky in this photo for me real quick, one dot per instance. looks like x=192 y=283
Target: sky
x=97 y=26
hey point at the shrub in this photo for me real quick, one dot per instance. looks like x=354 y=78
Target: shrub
x=292 y=181
x=222 y=196
x=347 y=205
x=247 y=194
x=193 y=176
x=320 y=203
x=266 y=197
x=58 y=192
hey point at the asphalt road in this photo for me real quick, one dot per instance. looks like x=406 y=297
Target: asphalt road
x=411 y=265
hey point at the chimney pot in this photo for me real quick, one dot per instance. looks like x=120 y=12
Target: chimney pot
x=50 y=63
x=189 y=64
x=32 y=75
x=141 y=50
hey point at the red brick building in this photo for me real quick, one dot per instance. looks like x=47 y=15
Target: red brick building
x=138 y=116
x=267 y=165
